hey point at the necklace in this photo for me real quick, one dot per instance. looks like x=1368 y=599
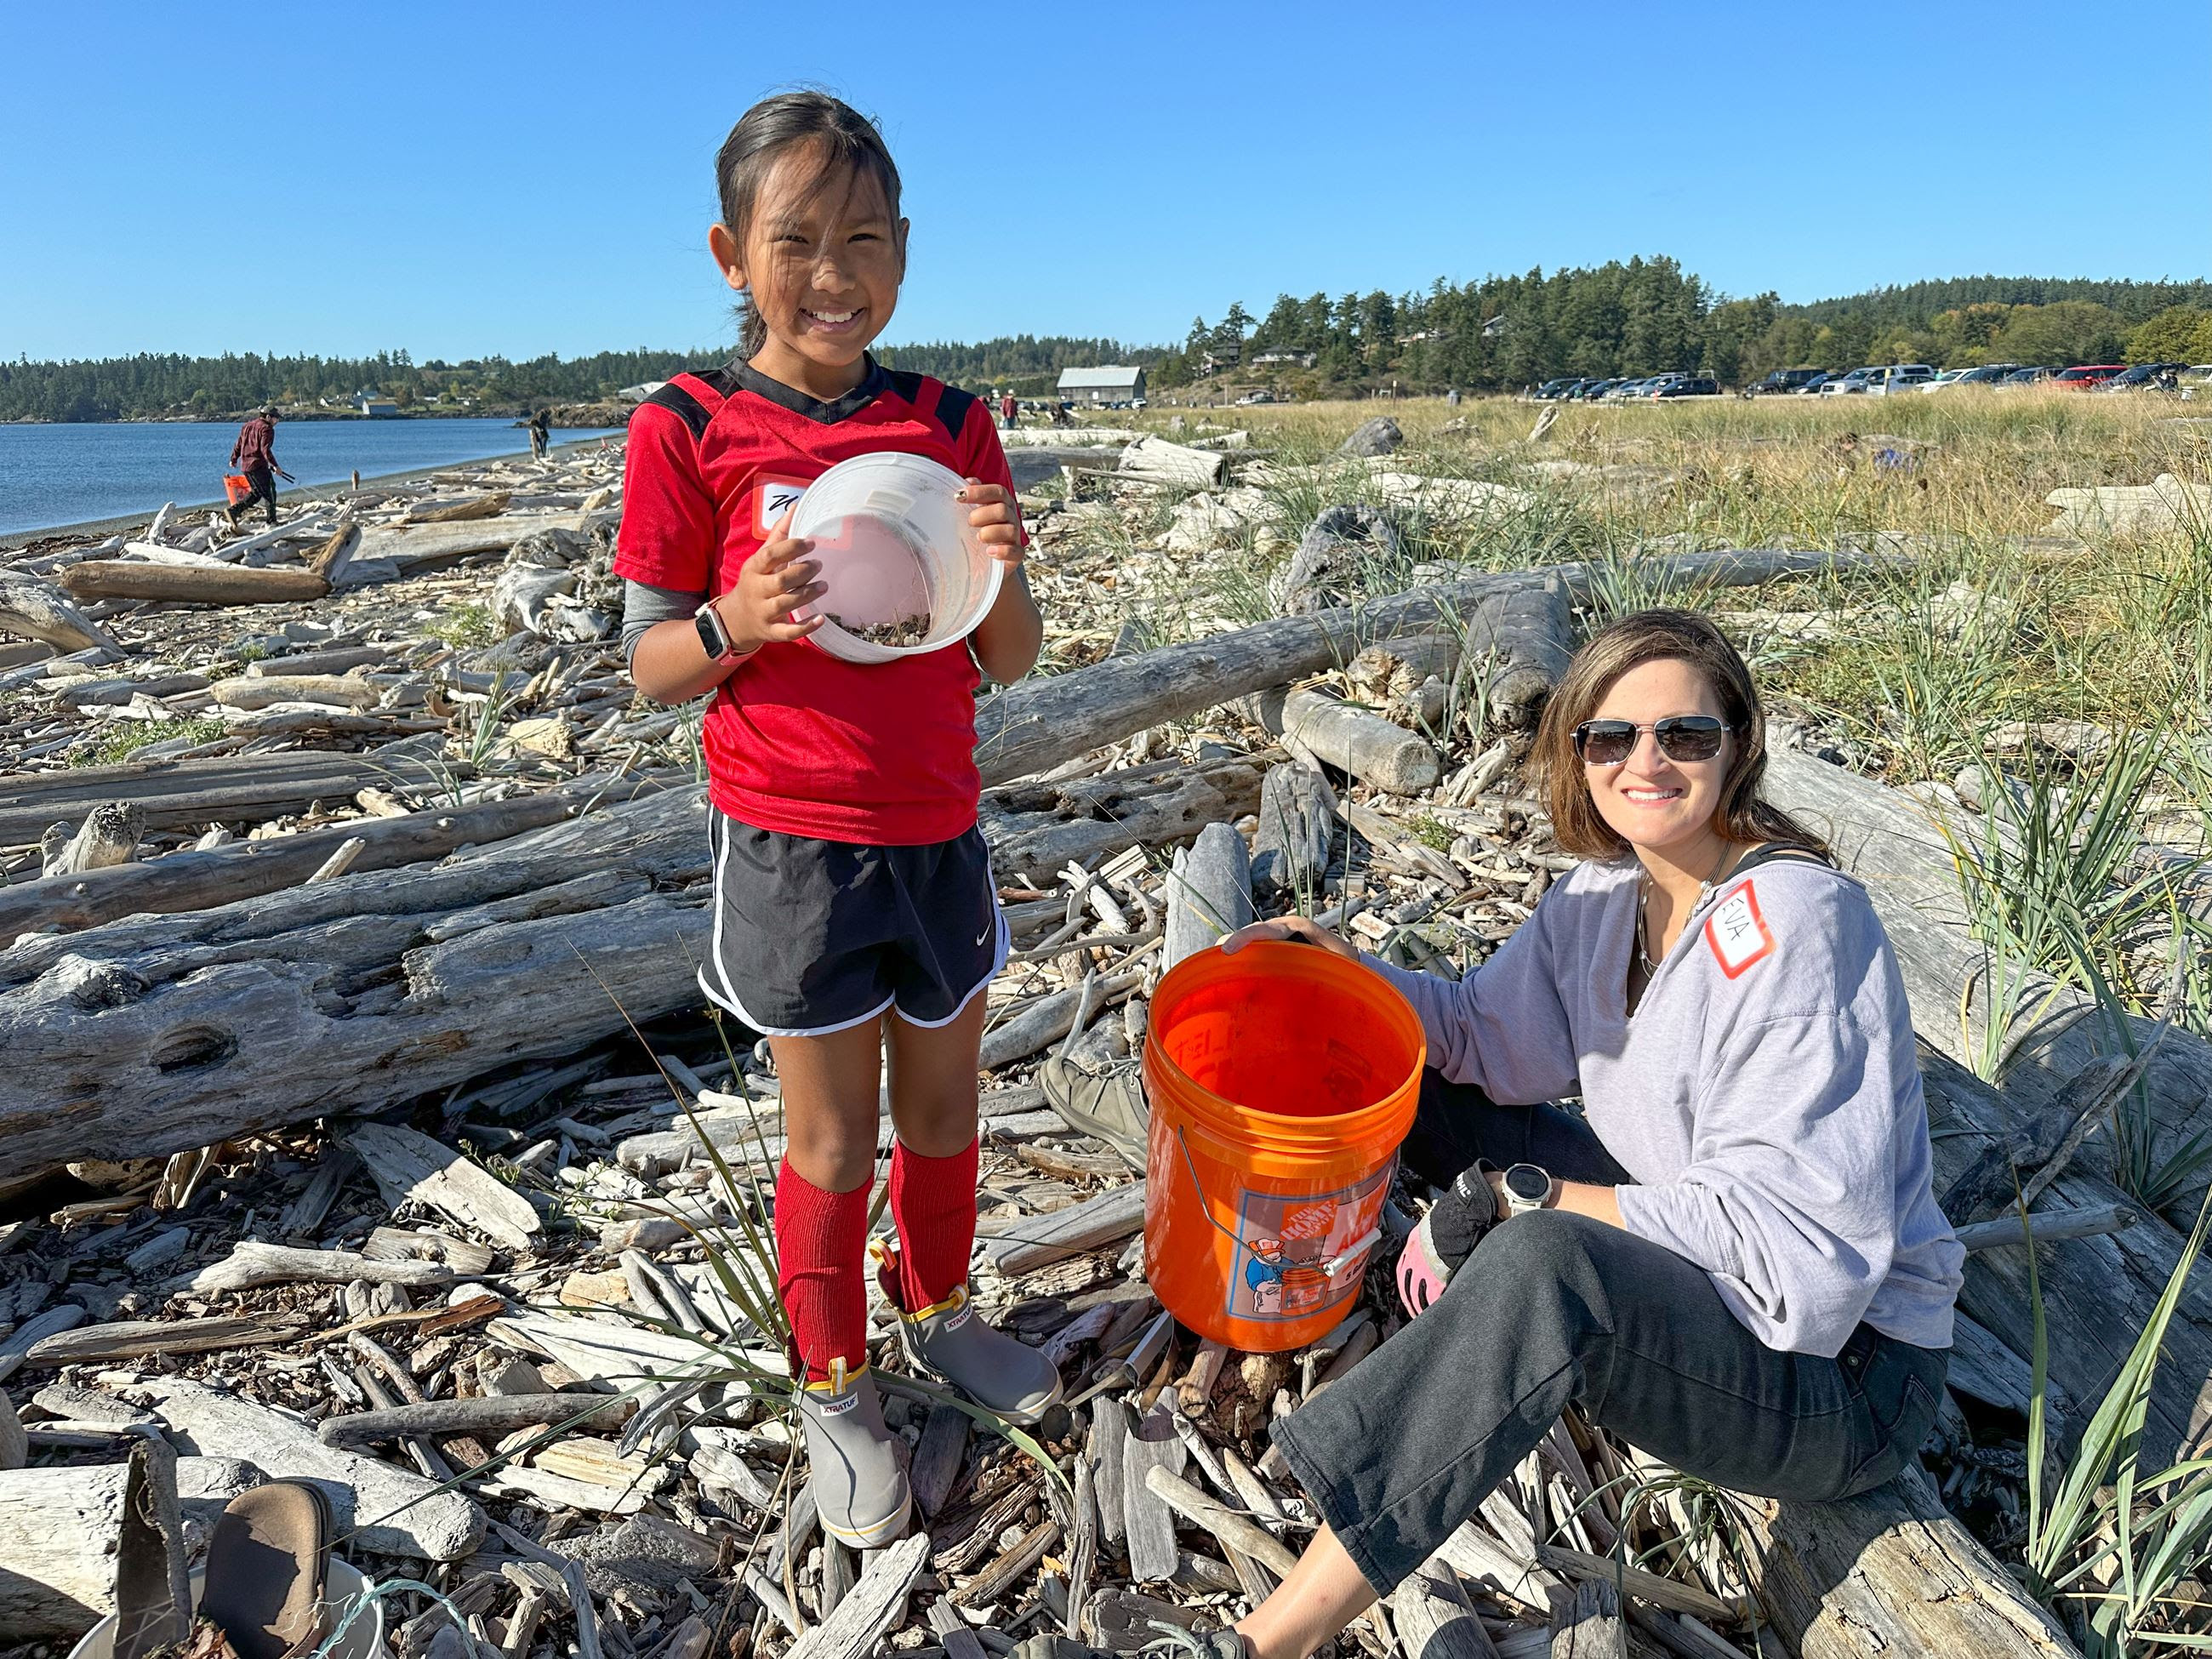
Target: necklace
x=1643 y=900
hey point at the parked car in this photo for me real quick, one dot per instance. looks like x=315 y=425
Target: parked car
x=1987 y=374
x=1551 y=389
x=1590 y=391
x=1637 y=390
x=1782 y=381
x=1814 y=387
x=1262 y=396
x=1845 y=384
x=2027 y=377
x=2086 y=377
x=2143 y=377
x=1898 y=377
x=1697 y=386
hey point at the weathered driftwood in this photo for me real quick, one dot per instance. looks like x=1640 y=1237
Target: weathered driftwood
x=1352 y=740
x=1898 y=847
x=262 y=690
x=32 y=609
x=131 y=1339
x=389 y=1511
x=1155 y=460
x=192 y=584
x=251 y=1262
x=1036 y=1240
x=1036 y=830
x=1434 y=1618
x=108 y=836
x=188 y=794
x=872 y=1608
x=1034 y=726
x=199 y=880
x=1148 y=1524
x=15 y=1444
x=160 y=1034
x=1515 y=647
x=1298 y=816
x=59 y=1530
x=1893 y=1572
x=488 y=506
x=1589 y=1626
x=406 y=1165
x=1209 y=892
x=153 y=1587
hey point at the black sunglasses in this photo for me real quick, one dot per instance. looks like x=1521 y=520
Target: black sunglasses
x=1681 y=737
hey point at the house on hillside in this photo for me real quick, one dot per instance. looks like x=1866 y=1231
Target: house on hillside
x=1099 y=387
x=377 y=408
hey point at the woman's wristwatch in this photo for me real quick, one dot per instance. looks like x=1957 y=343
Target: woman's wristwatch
x=1527 y=1187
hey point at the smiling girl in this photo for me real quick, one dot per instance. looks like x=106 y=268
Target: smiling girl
x=856 y=921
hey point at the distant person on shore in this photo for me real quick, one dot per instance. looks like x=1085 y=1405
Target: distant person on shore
x=255 y=455
x=1010 y=410
x=541 y=425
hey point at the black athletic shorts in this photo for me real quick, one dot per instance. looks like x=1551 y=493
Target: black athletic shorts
x=811 y=937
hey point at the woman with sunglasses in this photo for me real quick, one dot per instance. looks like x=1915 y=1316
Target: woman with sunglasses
x=1733 y=1257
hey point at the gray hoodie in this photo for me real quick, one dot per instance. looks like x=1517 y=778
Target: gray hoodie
x=1765 y=1096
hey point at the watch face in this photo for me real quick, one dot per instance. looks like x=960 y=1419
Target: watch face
x=1527 y=1183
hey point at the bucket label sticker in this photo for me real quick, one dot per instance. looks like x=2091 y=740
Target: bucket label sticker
x=1299 y=1254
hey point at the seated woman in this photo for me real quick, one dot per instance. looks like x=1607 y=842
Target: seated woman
x=1734 y=1258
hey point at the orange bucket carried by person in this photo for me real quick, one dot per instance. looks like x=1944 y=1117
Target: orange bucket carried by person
x=1282 y=1080
x=236 y=487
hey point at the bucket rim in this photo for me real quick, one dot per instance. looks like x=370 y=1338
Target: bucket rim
x=1297 y=1132
x=919 y=471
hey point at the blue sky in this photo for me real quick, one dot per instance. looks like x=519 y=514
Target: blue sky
x=465 y=179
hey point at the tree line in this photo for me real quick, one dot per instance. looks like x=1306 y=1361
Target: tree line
x=1502 y=332
x=157 y=384
x=1646 y=315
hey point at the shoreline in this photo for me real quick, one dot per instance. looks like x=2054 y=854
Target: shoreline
x=11 y=541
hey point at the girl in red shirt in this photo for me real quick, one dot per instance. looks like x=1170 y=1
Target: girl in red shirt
x=856 y=919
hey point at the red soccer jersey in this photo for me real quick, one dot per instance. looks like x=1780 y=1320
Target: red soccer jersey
x=798 y=741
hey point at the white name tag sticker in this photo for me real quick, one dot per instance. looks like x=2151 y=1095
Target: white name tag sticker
x=1737 y=933
x=772 y=500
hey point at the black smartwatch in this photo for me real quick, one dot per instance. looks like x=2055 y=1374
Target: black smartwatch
x=713 y=636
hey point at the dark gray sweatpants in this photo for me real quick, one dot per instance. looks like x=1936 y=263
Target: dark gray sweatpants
x=1553 y=1307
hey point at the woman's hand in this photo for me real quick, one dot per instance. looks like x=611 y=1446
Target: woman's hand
x=993 y=513
x=774 y=582
x=1298 y=930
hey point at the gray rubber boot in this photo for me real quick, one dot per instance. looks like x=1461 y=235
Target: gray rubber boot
x=860 y=1488
x=1106 y=1103
x=991 y=1368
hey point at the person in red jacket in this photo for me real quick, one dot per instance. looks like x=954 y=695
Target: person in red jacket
x=255 y=455
x=856 y=922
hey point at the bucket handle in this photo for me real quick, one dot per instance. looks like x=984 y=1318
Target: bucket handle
x=1331 y=1265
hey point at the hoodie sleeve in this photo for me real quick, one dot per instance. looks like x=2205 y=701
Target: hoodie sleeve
x=1789 y=1198
x=1502 y=1028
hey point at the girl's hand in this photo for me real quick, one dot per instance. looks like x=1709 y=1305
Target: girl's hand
x=1297 y=930
x=774 y=582
x=994 y=511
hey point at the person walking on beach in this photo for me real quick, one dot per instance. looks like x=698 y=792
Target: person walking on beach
x=1010 y=409
x=540 y=432
x=255 y=454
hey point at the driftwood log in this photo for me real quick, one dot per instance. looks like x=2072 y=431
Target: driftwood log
x=190 y=794
x=1352 y=740
x=199 y=880
x=33 y=610
x=1209 y=892
x=194 y=584
x=1298 y=817
x=59 y=1528
x=1899 y=848
x=1891 y=1572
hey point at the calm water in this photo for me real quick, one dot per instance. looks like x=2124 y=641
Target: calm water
x=55 y=475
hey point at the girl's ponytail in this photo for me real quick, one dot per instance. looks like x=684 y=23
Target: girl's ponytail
x=849 y=142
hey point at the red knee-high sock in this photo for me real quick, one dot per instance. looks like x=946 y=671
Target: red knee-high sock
x=933 y=1206
x=821 y=1254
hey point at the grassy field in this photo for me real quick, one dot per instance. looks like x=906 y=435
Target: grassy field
x=2067 y=677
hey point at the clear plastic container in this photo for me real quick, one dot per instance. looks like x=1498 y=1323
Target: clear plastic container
x=905 y=572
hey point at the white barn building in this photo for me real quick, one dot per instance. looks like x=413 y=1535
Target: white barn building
x=1094 y=388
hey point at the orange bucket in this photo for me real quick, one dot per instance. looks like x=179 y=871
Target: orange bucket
x=237 y=486
x=1282 y=1080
